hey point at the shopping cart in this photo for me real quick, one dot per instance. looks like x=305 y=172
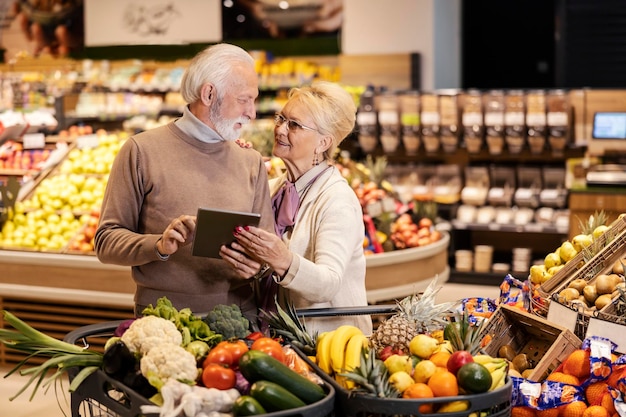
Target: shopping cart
x=102 y=396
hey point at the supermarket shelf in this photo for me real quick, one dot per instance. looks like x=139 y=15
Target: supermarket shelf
x=527 y=228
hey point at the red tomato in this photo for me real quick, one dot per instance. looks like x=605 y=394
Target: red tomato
x=219 y=355
x=235 y=347
x=270 y=346
x=217 y=376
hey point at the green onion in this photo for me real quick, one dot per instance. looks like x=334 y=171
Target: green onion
x=62 y=355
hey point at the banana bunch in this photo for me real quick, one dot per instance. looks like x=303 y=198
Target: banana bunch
x=497 y=367
x=339 y=351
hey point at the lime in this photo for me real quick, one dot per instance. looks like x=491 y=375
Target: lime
x=474 y=377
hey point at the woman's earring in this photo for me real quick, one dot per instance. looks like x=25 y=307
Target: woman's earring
x=315 y=159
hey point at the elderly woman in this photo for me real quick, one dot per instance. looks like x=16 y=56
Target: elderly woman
x=316 y=255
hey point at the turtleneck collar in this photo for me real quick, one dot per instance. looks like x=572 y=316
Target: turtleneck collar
x=195 y=128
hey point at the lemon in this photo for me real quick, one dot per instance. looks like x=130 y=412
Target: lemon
x=474 y=377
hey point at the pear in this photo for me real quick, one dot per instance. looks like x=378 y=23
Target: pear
x=567 y=251
x=538 y=274
x=581 y=241
x=552 y=271
x=552 y=259
x=599 y=231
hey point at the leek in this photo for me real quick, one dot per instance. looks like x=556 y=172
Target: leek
x=62 y=355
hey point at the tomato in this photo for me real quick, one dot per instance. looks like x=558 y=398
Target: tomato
x=235 y=347
x=270 y=346
x=217 y=376
x=220 y=355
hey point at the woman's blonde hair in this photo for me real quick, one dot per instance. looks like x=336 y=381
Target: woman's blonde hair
x=332 y=109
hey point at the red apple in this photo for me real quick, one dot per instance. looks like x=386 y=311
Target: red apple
x=385 y=353
x=458 y=359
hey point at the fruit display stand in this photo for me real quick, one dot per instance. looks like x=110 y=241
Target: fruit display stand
x=546 y=344
x=395 y=274
x=101 y=395
x=588 y=264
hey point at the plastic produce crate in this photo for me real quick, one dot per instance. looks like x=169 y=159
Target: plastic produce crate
x=352 y=404
x=544 y=342
x=102 y=396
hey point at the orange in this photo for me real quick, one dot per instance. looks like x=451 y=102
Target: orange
x=577 y=364
x=520 y=411
x=440 y=358
x=563 y=378
x=444 y=384
x=596 y=411
x=594 y=392
x=574 y=409
x=550 y=412
x=420 y=390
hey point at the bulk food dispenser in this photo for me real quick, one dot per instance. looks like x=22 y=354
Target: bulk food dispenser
x=558 y=120
x=449 y=121
x=472 y=121
x=536 y=120
x=410 y=121
x=367 y=122
x=494 y=121
x=388 y=120
x=430 y=119
x=514 y=124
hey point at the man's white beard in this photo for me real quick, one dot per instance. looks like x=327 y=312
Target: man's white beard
x=226 y=128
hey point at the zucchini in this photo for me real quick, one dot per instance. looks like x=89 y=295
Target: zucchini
x=247 y=405
x=256 y=365
x=273 y=397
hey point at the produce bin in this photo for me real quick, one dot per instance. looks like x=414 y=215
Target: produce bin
x=545 y=343
x=609 y=247
x=102 y=396
x=353 y=404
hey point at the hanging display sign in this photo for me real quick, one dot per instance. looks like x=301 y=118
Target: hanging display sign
x=152 y=22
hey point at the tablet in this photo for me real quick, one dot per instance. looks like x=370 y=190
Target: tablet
x=214 y=228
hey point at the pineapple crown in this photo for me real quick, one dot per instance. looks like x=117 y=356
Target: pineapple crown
x=421 y=308
x=285 y=322
x=598 y=218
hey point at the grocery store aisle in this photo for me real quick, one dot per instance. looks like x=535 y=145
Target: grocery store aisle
x=46 y=404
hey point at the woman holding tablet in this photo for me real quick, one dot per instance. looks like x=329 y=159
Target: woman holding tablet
x=316 y=255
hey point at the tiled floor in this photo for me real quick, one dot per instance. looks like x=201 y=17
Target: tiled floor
x=49 y=404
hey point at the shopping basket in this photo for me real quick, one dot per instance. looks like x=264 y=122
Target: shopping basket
x=352 y=404
x=102 y=396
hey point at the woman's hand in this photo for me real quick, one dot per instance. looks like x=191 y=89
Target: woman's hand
x=180 y=232
x=264 y=245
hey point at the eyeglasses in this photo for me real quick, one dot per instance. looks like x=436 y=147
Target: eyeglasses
x=292 y=125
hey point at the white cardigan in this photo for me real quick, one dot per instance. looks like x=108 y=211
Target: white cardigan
x=328 y=268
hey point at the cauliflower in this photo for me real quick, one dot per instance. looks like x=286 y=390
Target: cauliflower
x=168 y=361
x=150 y=331
x=228 y=321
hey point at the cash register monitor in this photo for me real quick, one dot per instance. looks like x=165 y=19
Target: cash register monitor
x=608 y=133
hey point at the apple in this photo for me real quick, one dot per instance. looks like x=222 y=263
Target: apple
x=385 y=353
x=458 y=359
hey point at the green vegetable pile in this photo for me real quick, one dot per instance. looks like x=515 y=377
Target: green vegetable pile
x=228 y=321
x=191 y=326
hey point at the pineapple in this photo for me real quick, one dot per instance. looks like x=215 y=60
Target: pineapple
x=371 y=376
x=464 y=335
x=417 y=314
x=286 y=323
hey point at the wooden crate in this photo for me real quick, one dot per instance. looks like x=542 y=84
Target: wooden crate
x=545 y=343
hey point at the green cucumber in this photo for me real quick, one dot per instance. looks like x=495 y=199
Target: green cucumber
x=247 y=405
x=256 y=365
x=273 y=397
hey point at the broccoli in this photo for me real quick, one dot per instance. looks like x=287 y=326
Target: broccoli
x=228 y=321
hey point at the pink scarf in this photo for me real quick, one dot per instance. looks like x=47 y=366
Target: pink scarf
x=285 y=204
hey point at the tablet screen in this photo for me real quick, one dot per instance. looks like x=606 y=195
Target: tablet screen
x=214 y=228
x=609 y=125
